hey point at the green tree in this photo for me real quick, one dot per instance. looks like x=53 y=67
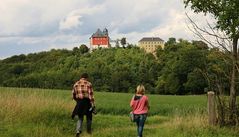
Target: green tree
x=76 y=51
x=83 y=49
x=171 y=41
x=176 y=63
x=195 y=82
x=227 y=20
x=200 y=44
x=123 y=42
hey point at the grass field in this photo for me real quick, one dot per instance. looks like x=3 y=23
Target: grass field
x=46 y=113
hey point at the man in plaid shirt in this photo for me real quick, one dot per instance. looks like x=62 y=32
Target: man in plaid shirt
x=83 y=95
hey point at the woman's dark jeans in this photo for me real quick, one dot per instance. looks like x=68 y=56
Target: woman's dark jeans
x=140 y=119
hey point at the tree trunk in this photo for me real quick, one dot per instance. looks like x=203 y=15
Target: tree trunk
x=233 y=95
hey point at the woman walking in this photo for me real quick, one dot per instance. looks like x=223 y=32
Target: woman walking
x=140 y=106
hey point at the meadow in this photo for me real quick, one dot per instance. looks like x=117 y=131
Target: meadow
x=27 y=112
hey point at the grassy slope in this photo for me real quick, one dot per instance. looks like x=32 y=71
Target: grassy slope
x=46 y=113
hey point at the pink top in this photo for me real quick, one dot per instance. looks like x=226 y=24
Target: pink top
x=140 y=106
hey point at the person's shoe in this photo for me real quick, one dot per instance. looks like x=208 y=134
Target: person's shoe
x=78 y=134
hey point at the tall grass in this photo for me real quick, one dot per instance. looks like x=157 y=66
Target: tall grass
x=46 y=113
x=118 y=104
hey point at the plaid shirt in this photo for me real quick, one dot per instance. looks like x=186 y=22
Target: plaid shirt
x=83 y=89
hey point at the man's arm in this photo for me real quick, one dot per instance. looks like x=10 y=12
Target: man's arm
x=91 y=95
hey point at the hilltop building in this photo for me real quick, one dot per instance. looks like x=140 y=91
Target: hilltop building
x=100 y=39
x=150 y=44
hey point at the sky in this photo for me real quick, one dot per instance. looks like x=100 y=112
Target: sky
x=29 y=26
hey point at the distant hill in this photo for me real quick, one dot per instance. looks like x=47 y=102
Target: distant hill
x=174 y=70
x=115 y=69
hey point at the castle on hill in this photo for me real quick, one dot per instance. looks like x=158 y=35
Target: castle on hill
x=100 y=39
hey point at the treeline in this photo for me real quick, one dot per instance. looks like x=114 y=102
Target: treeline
x=180 y=68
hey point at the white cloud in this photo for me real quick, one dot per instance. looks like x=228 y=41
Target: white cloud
x=63 y=24
x=73 y=20
x=24 y=17
x=176 y=26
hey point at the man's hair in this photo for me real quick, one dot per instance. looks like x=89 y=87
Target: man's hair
x=84 y=75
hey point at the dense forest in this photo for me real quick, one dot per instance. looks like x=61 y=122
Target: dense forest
x=182 y=67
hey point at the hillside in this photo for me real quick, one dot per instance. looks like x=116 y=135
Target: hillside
x=110 y=69
x=173 y=71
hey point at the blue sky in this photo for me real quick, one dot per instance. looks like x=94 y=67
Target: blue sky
x=28 y=26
